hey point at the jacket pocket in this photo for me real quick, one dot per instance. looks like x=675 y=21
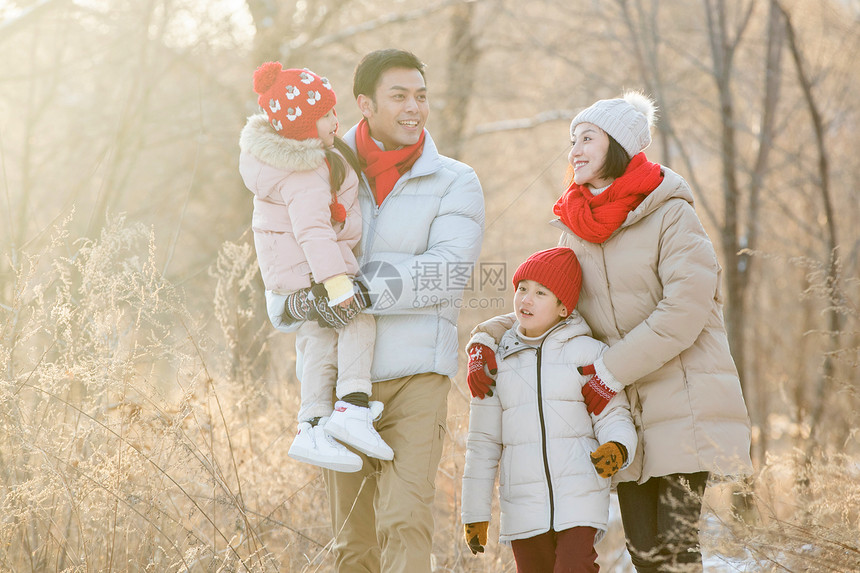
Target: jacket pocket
x=436 y=452
x=505 y=474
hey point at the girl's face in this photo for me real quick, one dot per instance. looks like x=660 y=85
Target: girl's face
x=327 y=128
x=537 y=308
x=588 y=155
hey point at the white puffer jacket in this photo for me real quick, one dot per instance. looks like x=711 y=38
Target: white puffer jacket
x=537 y=431
x=418 y=250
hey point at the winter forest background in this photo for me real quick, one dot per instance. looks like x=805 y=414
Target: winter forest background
x=146 y=404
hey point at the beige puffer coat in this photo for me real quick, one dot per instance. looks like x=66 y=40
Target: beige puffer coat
x=652 y=293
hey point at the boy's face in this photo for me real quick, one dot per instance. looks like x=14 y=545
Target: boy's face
x=537 y=308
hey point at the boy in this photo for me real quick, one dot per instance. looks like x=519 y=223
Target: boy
x=555 y=459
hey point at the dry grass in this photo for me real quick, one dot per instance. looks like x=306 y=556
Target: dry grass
x=802 y=517
x=136 y=437
x=127 y=441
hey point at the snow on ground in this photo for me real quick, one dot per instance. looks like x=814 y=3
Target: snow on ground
x=713 y=563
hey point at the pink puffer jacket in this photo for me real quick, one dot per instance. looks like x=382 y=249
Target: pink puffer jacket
x=294 y=235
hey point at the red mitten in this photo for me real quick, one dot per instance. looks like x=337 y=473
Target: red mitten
x=480 y=383
x=596 y=394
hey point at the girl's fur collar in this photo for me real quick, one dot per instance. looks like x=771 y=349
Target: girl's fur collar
x=260 y=140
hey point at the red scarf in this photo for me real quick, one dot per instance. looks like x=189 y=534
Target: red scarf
x=596 y=217
x=384 y=168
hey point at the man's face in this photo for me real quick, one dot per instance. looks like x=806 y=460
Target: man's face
x=398 y=111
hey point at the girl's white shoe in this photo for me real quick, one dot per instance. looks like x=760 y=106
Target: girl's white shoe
x=353 y=425
x=313 y=446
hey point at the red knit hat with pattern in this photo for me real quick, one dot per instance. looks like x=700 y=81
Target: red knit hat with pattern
x=293 y=99
x=558 y=270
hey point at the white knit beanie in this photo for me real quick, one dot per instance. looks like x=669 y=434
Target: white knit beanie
x=627 y=120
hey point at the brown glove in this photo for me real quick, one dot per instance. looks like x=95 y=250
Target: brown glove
x=609 y=458
x=476 y=536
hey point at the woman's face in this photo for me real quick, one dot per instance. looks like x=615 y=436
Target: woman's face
x=588 y=155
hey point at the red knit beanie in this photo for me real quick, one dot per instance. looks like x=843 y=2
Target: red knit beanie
x=558 y=270
x=293 y=99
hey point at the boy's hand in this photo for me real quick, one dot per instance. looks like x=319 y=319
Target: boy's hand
x=479 y=382
x=595 y=393
x=609 y=458
x=476 y=536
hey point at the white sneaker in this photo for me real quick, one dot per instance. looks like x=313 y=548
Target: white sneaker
x=313 y=446
x=353 y=425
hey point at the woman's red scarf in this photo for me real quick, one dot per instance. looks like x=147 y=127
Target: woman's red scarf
x=384 y=168
x=596 y=217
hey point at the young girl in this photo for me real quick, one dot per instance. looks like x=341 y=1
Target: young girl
x=554 y=459
x=651 y=291
x=306 y=223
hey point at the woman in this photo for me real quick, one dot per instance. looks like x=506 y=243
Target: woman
x=651 y=291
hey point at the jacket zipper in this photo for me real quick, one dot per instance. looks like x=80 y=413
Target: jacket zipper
x=543 y=438
x=547 y=473
x=367 y=247
x=368 y=237
x=544 y=452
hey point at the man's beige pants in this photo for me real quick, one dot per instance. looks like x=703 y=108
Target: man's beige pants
x=382 y=516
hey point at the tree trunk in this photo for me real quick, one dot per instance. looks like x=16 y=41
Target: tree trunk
x=723 y=49
x=773 y=76
x=834 y=326
x=463 y=56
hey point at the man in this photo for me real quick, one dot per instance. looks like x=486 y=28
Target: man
x=423 y=224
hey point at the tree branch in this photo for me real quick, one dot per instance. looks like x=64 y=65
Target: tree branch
x=391 y=18
x=523 y=123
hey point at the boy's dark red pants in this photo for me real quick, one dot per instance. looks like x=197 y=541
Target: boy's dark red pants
x=568 y=551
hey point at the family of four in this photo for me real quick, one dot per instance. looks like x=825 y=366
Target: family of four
x=613 y=371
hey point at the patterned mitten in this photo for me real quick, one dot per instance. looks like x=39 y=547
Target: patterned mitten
x=362 y=295
x=326 y=316
x=296 y=306
x=595 y=392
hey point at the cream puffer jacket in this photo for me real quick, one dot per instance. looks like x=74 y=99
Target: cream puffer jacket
x=652 y=293
x=294 y=234
x=536 y=430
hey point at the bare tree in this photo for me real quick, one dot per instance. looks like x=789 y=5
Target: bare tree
x=724 y=39
x=463 y=59
x=823 y=388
